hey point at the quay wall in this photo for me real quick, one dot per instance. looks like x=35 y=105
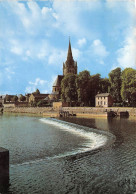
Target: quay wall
x=79 y=111
x=99 y=110
x=30 y=110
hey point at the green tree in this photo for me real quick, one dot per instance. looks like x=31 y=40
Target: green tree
x=104 y=85
x=116 y=82
x=22 y=98
x=95 y=87
x=68 y=88
x=37 y=91
x=128 y=89
x=83 y=87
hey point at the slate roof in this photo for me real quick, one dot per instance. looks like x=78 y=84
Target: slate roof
x=103 y=95
x=58 y=80
x=40 y=96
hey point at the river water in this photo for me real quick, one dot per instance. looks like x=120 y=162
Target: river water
x=73 y=155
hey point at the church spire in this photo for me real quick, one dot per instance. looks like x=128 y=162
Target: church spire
x=69 y=55
x=70 y=66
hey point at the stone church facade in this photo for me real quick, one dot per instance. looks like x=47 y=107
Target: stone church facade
x=70 y=66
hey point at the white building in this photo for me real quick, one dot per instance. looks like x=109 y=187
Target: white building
x=103 y=100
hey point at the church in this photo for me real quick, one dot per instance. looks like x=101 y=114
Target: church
x=70 y=66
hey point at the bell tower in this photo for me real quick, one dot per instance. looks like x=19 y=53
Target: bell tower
x=70 y=66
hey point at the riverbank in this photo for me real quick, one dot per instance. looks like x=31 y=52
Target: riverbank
x=47 y=111
x=78 y=111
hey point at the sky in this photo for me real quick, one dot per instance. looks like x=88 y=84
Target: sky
x=34 y=37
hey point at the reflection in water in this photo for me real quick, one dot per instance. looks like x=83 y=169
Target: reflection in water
x=35 y=169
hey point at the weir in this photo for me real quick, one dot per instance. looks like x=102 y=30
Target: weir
x=95 y=139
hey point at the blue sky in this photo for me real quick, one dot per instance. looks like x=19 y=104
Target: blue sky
x=34 y=39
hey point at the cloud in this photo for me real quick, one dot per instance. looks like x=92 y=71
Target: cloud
x=9 y=72
x=69 y=17
x=127 y=5
x=57 y=57
x=76 y=53
x=16 y=47
x=81 y=42
x=99 y=49
x=37 y=84
x=126 y=55
x=113 y=3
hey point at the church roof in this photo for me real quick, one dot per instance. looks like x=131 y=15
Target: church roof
x=58 y=80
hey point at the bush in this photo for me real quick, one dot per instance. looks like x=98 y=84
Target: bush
x=119 y=104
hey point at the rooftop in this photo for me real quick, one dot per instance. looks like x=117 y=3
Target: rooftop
x=103 y=95
x=58 y=80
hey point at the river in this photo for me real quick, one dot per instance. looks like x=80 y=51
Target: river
x=73 y=155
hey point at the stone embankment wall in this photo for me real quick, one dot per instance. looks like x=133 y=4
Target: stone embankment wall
x=79 y=111
x=31 y=110
x=99 y=111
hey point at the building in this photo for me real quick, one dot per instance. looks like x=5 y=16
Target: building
x=10 y=98
x=103 y=100
x=34 y=98
x=70 y=66
x=2 y=97
x=27 y=96
x=56 y=89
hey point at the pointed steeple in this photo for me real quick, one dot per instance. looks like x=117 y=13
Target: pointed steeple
x=69 y=55
x=70 y=66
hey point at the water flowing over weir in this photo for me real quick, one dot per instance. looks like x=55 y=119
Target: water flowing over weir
x=77 y=156
x=96 y=139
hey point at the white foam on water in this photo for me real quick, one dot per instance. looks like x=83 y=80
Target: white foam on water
x=95 y=140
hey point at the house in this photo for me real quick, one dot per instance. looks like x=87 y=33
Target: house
x=27 y=96
x=10 y=98
x=103 y=100
x=34 y=98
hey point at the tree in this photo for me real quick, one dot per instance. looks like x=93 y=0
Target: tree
x=115 y=81
x=104 y=85
x=22 y=98
x=68 y=88
x=37 y=91
x=128 y=89
x=95 y=87
x=83 y=87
